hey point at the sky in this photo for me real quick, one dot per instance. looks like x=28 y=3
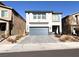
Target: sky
x=66 y=7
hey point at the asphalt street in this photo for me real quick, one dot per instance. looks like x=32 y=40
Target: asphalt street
x=49 y=53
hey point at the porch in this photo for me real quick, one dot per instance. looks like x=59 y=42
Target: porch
x=4 y=28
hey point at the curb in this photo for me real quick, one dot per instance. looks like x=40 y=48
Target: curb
x=42 y=47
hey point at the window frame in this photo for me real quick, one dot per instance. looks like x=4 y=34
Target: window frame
x=4 y=13
x=34 y=16
x=39 y=15
x=55 y=18
x=44 y=16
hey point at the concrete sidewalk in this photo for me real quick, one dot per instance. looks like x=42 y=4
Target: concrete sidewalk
x=40 y=47
x=4 y=45
x=6 y=48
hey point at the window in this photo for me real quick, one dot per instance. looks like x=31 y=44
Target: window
x=55 y=17
x=43 y=16
x=39 y=16
x=4 y=13
x=34 y=16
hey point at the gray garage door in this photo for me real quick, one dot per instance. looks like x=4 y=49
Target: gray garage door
x=38 y=31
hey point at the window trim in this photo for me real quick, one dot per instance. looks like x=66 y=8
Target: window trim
x=54 y=20
x=34 y=16
x=3 y=12
x=44 y=16
x=39 y=15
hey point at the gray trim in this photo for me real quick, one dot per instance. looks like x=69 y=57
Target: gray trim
x=38 y=22
x=37 y=11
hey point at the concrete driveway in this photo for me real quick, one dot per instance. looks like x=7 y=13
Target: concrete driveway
x=38 y=39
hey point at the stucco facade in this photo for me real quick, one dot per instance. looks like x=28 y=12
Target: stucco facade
x=49 y=21
x=11 y=23
x=70 y=23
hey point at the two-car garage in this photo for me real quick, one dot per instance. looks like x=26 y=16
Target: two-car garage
x=38 y=31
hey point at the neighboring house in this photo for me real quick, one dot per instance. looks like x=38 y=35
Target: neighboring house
x=43 y=22
x=11 y=23
x=70 y=23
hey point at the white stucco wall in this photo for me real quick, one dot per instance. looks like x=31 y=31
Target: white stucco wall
x=29 y=18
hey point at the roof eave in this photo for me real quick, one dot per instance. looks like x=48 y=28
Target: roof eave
x=6 y=7
x=43 y=12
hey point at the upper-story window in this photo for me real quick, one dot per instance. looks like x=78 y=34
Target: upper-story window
x=34 y=16
x=55 y=17
x=43 y=16
x=4 y=13
x=39 y=16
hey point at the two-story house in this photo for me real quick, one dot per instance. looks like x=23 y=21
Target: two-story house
x=11 y=23
x=43 y=22
x=70 y=24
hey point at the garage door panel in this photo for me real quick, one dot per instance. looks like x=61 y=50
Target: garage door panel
x=38 y=31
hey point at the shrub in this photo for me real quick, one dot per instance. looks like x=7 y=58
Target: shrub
x=66 y=38
x=70 y=38
x=13 y=39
